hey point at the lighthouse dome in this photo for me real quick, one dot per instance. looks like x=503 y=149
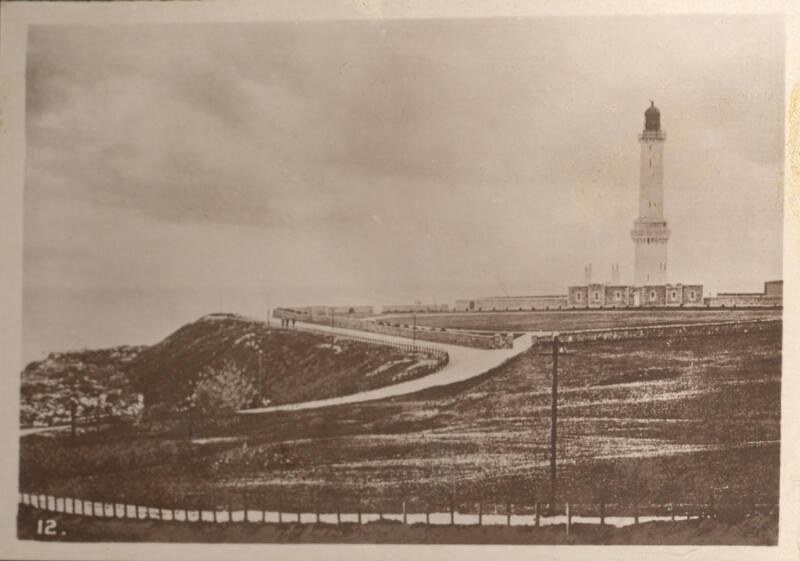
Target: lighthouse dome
x=652 y=118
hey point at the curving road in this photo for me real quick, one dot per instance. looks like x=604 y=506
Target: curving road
x=465 y=363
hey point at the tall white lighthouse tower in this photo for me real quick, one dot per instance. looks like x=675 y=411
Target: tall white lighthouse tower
x=650 y=233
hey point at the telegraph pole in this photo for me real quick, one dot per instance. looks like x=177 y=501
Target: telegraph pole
x=553 y=425
x=260 y=375
x=414 y=331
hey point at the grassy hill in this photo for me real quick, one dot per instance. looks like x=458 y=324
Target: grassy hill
x=642 y=422
x=284 y=366
x=293 y=365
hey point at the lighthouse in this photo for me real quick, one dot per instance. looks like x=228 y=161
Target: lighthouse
x=650 y=233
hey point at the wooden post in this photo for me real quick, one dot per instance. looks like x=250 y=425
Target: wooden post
x=480 y=513
x=508 y=514
x=73 y=413
x=602 y=512
x=554 y=425
x=569 y=517
x=230 y=509
x=338 y=514
x=636 y=512
x=298 y=516
x=405 y=514
x=538 y=514
x=317 y=513
x=244 y=506
x=712 y=507
x=452 y=512
x=359 y=515
x=427 y=516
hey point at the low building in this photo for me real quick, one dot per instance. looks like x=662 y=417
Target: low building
x=625 y=296
x=772 y=297
x=411 y=308
x=512 y=303
x=340 y=311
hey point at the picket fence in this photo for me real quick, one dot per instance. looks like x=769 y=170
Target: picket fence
x=503 y=515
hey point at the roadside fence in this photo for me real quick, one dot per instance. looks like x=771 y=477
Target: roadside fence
x=509 y=514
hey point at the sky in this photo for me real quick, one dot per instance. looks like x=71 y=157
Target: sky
x=178 y=170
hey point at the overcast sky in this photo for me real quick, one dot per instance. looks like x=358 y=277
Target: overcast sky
x=174 y=171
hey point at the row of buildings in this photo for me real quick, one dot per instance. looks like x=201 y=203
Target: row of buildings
x=587 y=296
x=598 y=295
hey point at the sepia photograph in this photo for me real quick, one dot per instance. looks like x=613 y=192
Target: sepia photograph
x=486 y=280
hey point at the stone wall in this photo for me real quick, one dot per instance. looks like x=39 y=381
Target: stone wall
x=754 y=300
x=659 y=331
x=514 y=303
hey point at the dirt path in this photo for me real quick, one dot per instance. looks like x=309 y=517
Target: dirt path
x=465 y=363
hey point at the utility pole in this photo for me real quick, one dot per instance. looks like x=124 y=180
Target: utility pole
x=260 y=376
x=553 y=425
x=414 y=331
x=73 y=413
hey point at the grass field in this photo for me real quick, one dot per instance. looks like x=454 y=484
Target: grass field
x=578 y=319
x=645 y=421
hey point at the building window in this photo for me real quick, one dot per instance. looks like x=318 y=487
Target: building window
x=578 y=296
x=674 y=295
x=618 y=295
x=691 y=294
x=596 y=296
x=652 y=295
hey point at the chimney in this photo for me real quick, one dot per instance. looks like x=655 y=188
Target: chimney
x=615 y=273
x=587 y=274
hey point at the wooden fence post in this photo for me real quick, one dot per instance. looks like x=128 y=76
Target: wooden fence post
x=508 y=514
x=602 y=512
x=480 y=513
x=452 y=512
x=405 y=515
x=672 y=511
x=569 y=517
x=338 y=513
x=636 y=512
x=538 y=514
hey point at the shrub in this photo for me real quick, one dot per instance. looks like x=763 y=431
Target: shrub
x=222 y=391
